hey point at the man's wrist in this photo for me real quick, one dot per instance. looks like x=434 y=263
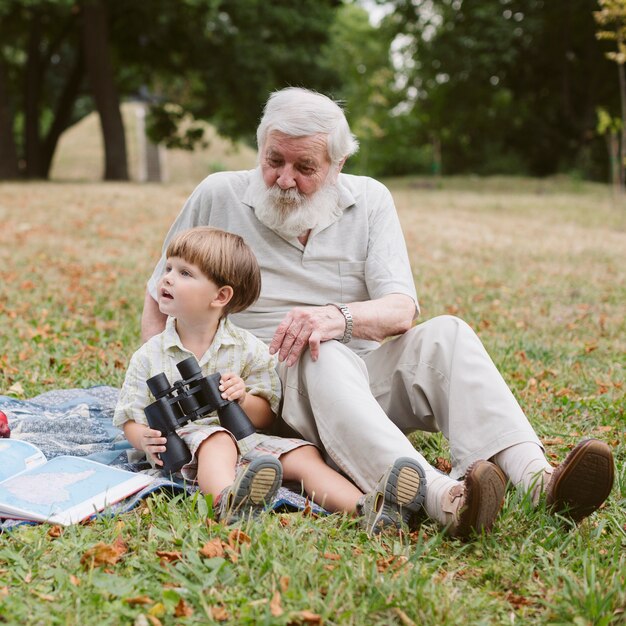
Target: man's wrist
x=345 y=311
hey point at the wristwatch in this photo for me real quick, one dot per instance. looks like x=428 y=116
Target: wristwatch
x=345 y=311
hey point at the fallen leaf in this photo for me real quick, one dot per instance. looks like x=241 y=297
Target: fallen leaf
x=183 y=609
x=518 y=601
x=169 y=557
x=55 y=531
x=212 y=549
x=155 y=621
x=237 y=537
x=219 y=613
x=443 y=465
x=304 y=617
x=284 y=583
x=15 y=390
x=4 y=592
x=392 y=562
x=331 y=556
x=75 y=580
x=553 y=441
x=137 y=600
x=275 y=605
x=104 y=553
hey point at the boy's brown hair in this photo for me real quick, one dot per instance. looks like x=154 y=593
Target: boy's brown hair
x=225 y=259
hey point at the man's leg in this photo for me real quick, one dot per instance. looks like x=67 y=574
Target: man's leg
x=329 y=403
x=439 y=377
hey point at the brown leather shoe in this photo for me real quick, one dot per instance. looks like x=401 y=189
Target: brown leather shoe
x=474 y=505
x=583 y=481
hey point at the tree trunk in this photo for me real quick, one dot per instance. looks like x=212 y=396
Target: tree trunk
x=32 y=97
x=63 y=112
x=100 y=72
x=622 y=147
x=8 y=153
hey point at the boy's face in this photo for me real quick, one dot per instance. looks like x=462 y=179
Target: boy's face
x=184 y=292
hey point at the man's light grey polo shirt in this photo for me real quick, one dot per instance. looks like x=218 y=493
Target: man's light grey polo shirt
x=360 y=256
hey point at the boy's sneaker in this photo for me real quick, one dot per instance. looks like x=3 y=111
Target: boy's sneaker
x=399 y=494
x=254 y=488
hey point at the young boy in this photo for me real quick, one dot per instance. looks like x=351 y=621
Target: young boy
x=209 y=274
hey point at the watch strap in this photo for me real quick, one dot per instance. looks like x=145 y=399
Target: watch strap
x=345 y=311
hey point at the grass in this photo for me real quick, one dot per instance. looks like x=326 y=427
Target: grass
x=540 y=272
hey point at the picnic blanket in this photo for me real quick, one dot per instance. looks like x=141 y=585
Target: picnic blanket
x=78 y=422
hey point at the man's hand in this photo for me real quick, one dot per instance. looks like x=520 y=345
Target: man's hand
x=233 y=387
x=152 y=320
x=306 y=326
x=374 y=320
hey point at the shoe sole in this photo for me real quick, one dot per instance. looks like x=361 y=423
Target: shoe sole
x=485 y=486
x=405 y=490
x=257 y=487
x=263 y=483
x=583 y=481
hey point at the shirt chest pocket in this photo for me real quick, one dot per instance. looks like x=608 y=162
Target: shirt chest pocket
x=352 y=279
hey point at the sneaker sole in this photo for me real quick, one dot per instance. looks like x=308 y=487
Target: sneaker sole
x=263 y=483
x=259 y=485
x=406 y=487
x=583 y=481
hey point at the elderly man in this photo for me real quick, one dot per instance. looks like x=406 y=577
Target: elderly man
x=336 y=283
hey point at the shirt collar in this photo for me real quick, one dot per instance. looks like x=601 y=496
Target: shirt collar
x=223 y=337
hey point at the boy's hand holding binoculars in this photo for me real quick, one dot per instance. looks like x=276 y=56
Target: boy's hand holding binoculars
x=232 y=387
x=153 y=443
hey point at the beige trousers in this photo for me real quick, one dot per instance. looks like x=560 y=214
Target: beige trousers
x=436 y=377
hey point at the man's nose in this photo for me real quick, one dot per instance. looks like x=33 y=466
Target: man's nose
x=286 y=177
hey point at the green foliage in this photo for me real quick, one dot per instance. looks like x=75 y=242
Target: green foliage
x=212 y=59
x=504 y=85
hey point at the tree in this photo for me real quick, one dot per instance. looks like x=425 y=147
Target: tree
x=217 y=59
x=612 y=20
x=504 y=85
x=96 y=50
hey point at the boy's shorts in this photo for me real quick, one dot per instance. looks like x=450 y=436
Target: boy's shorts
x=194 y=434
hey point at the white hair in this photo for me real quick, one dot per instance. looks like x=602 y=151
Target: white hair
x=301 y=112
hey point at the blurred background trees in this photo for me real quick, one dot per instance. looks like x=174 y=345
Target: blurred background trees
x=430 y=86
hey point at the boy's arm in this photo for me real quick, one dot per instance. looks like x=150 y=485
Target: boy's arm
x=258 y=410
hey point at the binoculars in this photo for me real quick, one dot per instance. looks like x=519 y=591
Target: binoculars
x=189 y=399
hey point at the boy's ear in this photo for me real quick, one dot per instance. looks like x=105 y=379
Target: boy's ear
x=224 y=296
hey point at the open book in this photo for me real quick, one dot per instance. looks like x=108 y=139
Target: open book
x=64 y=490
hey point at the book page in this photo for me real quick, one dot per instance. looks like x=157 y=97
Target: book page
x=67 y=490
x=17 y=456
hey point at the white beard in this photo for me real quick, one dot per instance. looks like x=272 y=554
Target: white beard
x=289 y=212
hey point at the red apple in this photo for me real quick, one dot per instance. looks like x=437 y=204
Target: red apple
x=5 y=431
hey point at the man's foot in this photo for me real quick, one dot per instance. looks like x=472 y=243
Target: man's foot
x=254 y=488
x=398 y=494
x=583 y=481
x=473 y=506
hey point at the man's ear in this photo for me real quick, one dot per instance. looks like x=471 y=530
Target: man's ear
x=223 y=297
x=341 y=164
